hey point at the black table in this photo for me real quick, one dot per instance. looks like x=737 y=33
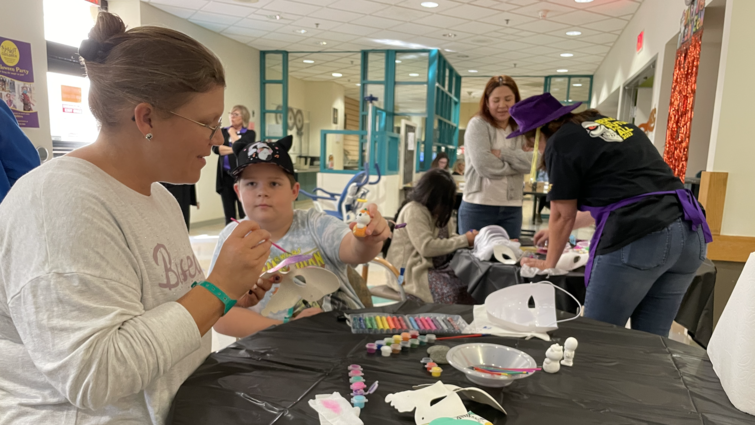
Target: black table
x=620 y=376
x=536 y=197
x=486 y=277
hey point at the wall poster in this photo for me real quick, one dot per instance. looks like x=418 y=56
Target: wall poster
x=17 y=81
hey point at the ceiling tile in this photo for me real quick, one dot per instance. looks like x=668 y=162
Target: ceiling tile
x=603 y=38
x=215 y=18
x=552 y=10
x=595 y=49
x=572 y=44
x=402 y=13
x=239 y=38
x=290 y=38
x=493 y=4
x=209 y=25
x=362 y=6
x=417 y=5
x=617 y=8
x=248 y=32
x=540 y=39
x=376 y=22
x=187 y=4
x=579 y=17
x=286 y=6
x=259 y=24
x=416 y=29
x=321 y=3
x=467 y=11
x=441 y=21
x=228 y=9
x=177 y=11
x=335 y=15
x=591 y=5
x=317 y=23
x=355 y=29
x=611 y=24
x=475 y=27
x=544 y=26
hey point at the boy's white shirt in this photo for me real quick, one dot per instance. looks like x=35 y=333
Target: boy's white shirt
x=311 y=232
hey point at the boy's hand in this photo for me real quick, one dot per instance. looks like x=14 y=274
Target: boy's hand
x=308 y=312
x=257 y=293
x=378 y=230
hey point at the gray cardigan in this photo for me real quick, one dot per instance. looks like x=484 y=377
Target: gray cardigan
x=415 y=246
x=480 y=161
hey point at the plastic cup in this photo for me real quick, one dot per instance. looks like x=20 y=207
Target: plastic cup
x=371 y=347
x=395 y=348
x=436 y=372
x=386 y=350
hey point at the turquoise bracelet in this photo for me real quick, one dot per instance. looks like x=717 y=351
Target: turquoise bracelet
x=214 y=290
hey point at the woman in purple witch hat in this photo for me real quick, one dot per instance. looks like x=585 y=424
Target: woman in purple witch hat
x=650 y=233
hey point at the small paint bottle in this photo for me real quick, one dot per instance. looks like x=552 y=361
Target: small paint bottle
x=386 y=350
x=436 y=372
x=395 y=348
x=371 y=347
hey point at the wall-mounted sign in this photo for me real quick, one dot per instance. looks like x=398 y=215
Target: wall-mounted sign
x=17 y=81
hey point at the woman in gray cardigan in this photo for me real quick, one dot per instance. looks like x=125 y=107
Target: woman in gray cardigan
x=495 y=166
x=427 y=243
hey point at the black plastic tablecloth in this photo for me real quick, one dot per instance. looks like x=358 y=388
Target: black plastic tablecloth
x=619 y=376
x=485 y=277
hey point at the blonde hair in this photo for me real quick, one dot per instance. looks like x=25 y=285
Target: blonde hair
x=459 y=163
x=159 y=66
x=245 y=116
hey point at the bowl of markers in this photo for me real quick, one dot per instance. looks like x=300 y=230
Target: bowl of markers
x=491 y=365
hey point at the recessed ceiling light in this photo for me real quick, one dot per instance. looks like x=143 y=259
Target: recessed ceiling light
x=562 y=70
x=308 y=61
x=322 y=43
x=337 y=74
x=577 y=85
x=567 y=55
x=358 y=84
x=414 y=75
x=449 y=35
x=429 y=4
x=450 y=51
x=300 y=31
x=583 y=1
x=398 y=61
x=573 y=33
x=473 y=71
x=276 y=17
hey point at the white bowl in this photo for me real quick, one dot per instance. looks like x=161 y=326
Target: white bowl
x=478 y=354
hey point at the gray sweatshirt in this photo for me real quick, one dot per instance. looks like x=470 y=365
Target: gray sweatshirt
x=90 y=332
x=510 y=168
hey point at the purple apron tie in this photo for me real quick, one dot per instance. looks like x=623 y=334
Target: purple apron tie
x=691 y=208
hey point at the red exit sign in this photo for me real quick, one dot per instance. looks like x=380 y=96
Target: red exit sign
x=95 y=2
x=640 y=41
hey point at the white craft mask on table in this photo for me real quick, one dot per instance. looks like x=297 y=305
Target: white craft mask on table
x=312 y=284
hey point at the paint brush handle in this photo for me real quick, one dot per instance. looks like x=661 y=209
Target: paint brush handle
x=274 y=244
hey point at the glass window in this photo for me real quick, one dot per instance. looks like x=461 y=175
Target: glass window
x=376 y=90
x=273 y=96
x=273 y=66
x=559 y=88
x=376 y=66
x=274 y=125
x=410 y=98
x=411 y=66
x=68 y=21
x=579 y=90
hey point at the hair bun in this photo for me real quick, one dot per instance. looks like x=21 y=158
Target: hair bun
x=107 y=27
x=91 y=50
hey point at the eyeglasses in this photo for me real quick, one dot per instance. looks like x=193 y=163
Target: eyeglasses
x=214 y=129
x=234 y=114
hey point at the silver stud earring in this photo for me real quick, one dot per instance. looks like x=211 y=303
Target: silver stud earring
x=148 y=136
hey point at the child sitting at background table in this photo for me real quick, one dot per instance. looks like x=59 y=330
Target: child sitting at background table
x=267 y=188
x=427 y=243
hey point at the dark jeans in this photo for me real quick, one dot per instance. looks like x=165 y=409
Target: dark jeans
x=647 y=279
x=230 y=202
x=476 y=216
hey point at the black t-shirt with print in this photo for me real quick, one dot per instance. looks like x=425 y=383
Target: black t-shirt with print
x=603 y=161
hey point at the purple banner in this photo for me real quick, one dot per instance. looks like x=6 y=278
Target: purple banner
x=17 y=81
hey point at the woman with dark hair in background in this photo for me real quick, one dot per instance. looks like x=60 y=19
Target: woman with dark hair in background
x=427 y=243
x=440 y=161
x=224 y=181
x=495 y=166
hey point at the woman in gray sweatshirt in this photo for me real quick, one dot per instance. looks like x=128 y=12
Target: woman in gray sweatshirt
x=495 y=166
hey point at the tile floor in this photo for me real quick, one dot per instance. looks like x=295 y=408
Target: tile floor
x=204 y=238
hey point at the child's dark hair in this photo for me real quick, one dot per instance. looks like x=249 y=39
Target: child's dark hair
x=437 y=159
x=436 y=190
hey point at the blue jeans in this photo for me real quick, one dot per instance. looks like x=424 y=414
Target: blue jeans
x=476 y=216
x=647 y=279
